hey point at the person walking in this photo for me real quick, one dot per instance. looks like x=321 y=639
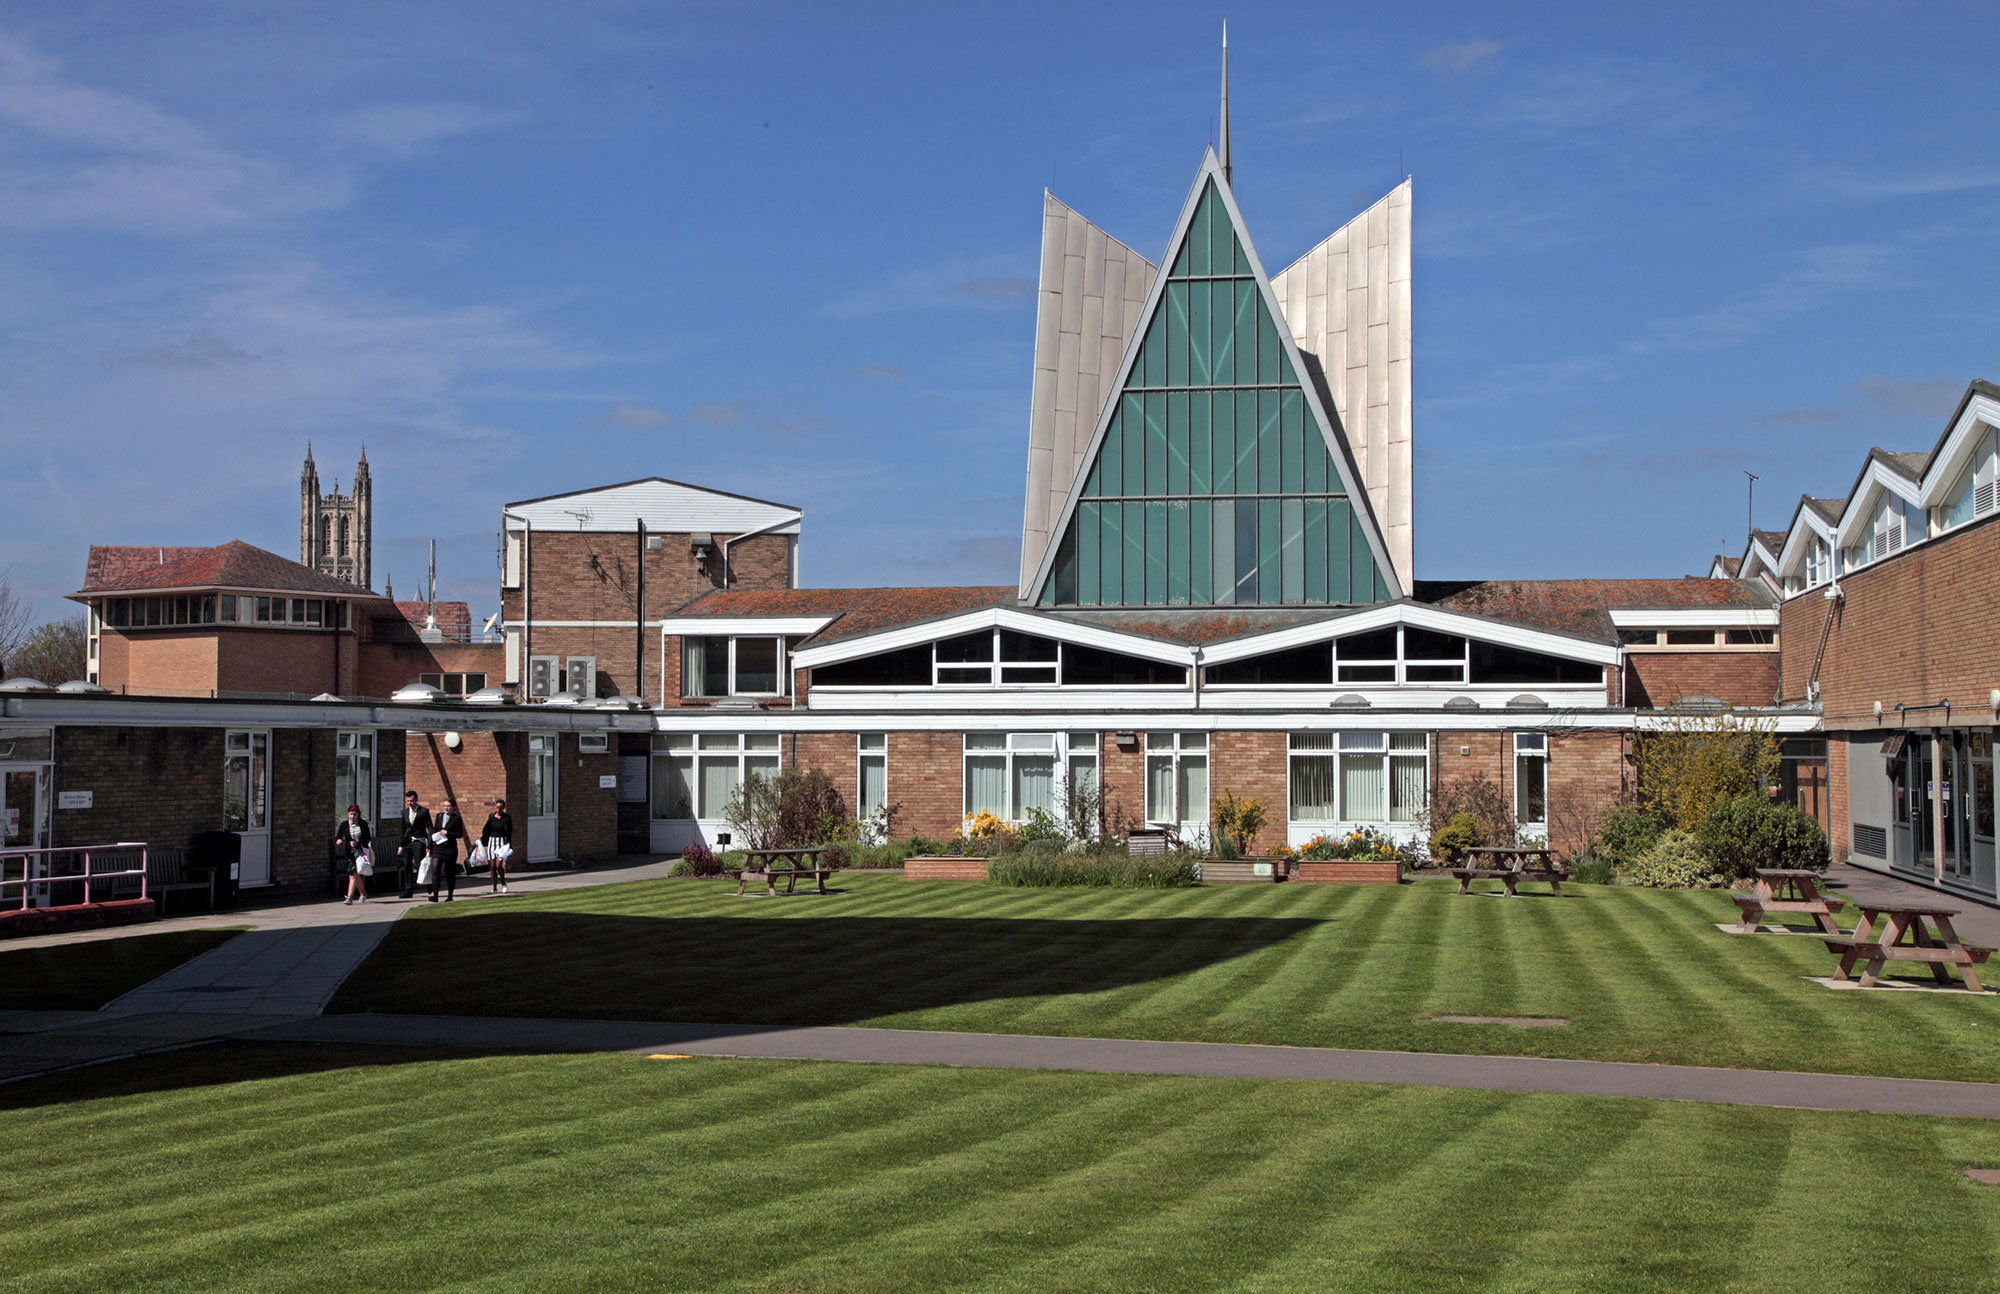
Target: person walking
x=415 y=846
x=499 y=830
x=351 y=839
x=447 y=829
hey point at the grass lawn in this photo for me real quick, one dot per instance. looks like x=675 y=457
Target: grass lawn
x=1641 y=974
x=585 y=1172
x=84 y=976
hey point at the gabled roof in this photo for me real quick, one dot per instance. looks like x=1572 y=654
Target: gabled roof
x=1906 y=463
x=1584 y=607
x=1828 y=510
x=1730 y=565
x=234 y=565
x=855 y=611
x=672 y=507
x=1772 y=540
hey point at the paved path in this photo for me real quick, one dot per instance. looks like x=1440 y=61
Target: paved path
x=1975 y=923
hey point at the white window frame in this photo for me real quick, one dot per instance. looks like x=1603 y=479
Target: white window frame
x=355 y=748
x=871 y=750
x=1531 y=748
x=1012 y=747
x=733 y=686
x=1392 y=748
x=1176 y=749
x=688 y=753
x=510 y=570
x=995 y=668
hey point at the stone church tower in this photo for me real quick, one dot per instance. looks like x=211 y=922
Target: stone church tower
x=336 y=530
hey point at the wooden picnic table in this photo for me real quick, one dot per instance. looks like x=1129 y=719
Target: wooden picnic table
x=770 y=872
x=1786 y=890
x=1908 y=933
x=1510 y=865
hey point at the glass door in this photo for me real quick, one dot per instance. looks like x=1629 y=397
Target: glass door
x=246 y=802
x=24 y=824
x=542 y=815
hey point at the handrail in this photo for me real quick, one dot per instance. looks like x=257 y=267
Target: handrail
x=28 y=878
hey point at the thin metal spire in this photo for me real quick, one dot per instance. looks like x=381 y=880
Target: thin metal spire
x=1225 y=103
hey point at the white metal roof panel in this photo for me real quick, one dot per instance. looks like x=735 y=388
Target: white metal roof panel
x=668 y=506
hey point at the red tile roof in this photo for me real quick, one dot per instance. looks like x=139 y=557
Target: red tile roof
x=234 y=565
x=859 y=611
x=454 y=618
x=1584 y=606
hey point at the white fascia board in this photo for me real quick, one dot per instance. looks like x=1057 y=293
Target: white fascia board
x=1491 y=697
x=998 y=700
x=987 y=618
x=1981 y=412
x=1420 y=617
x=1696 y=618
x=1788 y=723
x=1337 y=446
x=1861 y=504
x=1806 y=527
x=140 y=712
x=695 y=626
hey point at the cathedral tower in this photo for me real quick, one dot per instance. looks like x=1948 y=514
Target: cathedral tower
x=336 y=530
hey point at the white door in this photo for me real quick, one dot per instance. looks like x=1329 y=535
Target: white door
x=24 y=824
x=542 y=798
x=246 y=802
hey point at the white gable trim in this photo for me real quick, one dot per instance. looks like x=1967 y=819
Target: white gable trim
x=1417 y=616
x=697 y=626
x=1697 y=618
x=1981 y=412
x=1867 y=496
x=1343 y=461
x=1806 y=527
x=988 y=618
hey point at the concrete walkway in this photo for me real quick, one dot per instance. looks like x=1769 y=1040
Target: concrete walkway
x=1976 y=923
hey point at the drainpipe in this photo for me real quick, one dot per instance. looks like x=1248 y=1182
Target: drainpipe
x=728 y=575
x=639 y=657
x=1937 y=805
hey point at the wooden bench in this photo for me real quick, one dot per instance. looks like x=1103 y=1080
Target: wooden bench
x=1518 y=863
x=167 y=872
x=805 y=861
x=1907 y=933
x=1785 y=890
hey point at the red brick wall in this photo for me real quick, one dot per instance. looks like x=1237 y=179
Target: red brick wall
x=1586 y=780
x=926 y=777
x=1840 y=834
x=588 y=823
x=1664 y=677
x=178 y=662
x=286 y=660
x=565 y=587
x=486 y=764
x=159 y=785
x=1251 y=765
x=1915 y=629
x=387 y=666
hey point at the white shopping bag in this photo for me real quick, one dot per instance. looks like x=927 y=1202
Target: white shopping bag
x=427 y=873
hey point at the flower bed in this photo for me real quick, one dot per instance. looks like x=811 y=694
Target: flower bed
x=1348 y=873
x=1242 y=871
x=1362 y=857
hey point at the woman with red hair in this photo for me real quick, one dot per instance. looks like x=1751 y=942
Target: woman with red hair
x=351 y=839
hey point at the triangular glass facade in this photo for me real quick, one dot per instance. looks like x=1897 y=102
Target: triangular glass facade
x=1212 y=486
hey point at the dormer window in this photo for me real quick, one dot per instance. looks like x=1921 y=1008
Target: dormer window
x=989 y=658
x=1974 y=494
x=717 y=666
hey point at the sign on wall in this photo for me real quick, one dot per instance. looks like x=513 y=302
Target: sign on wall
x=74 y=799
x=392 y=802
x=607 y=781
x=631 y=779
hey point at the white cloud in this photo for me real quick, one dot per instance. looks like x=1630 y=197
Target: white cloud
x=399 y=129
x=628 y=414
x=1459 y=58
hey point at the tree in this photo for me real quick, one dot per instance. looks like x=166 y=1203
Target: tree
x=14 y=620
x=51 y=653
x=1693 y=759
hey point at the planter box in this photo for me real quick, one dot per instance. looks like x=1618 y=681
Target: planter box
x=75 y=916
x=1389 y=873
x=944 y=869
x=1245 y=871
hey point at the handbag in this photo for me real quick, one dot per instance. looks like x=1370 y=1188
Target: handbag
x=364 y=863
x=476 y=862
x=427 y=874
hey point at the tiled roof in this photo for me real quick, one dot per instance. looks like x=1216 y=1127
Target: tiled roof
x=454 y=618
x=1202 y=625
x=1829 y=510
x=1583 y=606
x=1909 y=464
x=1771 y=539
x=1730 y=564
x=234 y=565
x=859 y=611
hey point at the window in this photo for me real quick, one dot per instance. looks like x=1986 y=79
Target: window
x=1082 y=761
x=1819 y=563
x=1973 y=496
x=1359 y=776
x=1403 y=655
x=715 y=666
x=872 y=775
x=454 y=684
x=696 y=775
x=1638 y=637
x=1751 y=637
x=999 y=658
x=510 y=575
x=1690 y=637
x=1531 y=779
x=1008 y=774
x=1176 y=777
x=354 y=773
x=542 y=783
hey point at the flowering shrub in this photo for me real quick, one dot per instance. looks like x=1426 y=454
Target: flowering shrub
x=984 y=825
x=1675 y=862
x=700 y=860
x=1365 y=845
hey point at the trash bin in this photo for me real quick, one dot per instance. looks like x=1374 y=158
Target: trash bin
x=217 y=852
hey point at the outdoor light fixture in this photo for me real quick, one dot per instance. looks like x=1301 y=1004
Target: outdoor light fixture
x=1878 y=709
x=1993 y=699
x=453 y=741
x=1126 y=740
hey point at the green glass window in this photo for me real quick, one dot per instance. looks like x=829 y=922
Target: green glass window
x=1212 y=484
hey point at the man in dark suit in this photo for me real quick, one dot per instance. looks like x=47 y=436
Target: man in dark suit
x=416 y=843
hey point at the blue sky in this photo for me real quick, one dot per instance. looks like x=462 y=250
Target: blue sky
x=789 y=251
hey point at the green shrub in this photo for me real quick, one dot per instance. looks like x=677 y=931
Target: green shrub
x=1743 y=833
x=680 y=867
x=1462 y=832
x=1592 y=867
x=1042 y=866
x=1675 y=862
x=1628 y=831
x=1041 y=828
x=1365 y=844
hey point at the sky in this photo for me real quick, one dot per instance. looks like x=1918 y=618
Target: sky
x=790 y=250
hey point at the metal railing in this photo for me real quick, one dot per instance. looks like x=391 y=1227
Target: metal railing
x=39 y=878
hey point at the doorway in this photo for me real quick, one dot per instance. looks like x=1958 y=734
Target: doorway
x=542 y=778
x=246 y=802
x=24 y=824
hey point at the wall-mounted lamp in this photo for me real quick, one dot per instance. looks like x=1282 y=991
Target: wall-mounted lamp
x=1993 y=699
x=453 y=741
x=1126 y=740
x=1878 y=709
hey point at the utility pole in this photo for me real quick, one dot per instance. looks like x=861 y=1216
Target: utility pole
x=1750 y=509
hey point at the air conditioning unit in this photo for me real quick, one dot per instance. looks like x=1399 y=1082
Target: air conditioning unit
x=593 y=743
x=541 y=677
x=582 y=678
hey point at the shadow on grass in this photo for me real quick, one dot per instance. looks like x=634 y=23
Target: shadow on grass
x=84 y=975
x=826 y=970
x=211 y=1065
